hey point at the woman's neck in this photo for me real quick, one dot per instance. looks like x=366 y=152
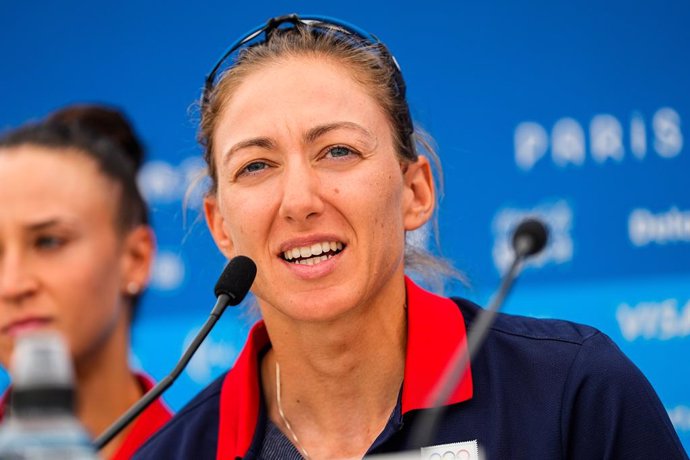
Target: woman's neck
x=106 y=387
x=339 y=381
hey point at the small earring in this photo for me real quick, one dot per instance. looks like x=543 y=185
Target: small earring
x=132 y=288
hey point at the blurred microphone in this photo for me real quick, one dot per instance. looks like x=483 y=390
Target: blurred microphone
x=231 y=288
x=529 y=238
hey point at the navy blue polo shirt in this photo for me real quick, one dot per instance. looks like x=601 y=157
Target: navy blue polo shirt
x=538 y=389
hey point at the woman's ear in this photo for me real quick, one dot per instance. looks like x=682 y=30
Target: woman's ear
x=420 y=196
x=137 y=260
x=216 y=224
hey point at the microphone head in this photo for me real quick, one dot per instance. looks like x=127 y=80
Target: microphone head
x=236 y=279
x=530 y=237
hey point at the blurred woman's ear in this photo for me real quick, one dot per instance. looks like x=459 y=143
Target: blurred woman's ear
x=216 y=225
x=138 y=254
x=419 y=198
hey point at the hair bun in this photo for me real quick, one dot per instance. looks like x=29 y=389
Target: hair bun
x=103 y=122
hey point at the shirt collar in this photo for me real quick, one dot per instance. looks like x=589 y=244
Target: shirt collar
x=4 y=403
x=240 y=397
x=146 y=424
x=435 y=329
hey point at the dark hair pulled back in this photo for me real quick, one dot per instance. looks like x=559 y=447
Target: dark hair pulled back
x=101 y=133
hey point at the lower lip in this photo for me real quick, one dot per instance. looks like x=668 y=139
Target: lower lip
x=318 y=270
x=23 y=327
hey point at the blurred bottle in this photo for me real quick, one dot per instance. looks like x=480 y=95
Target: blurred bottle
x=41 y=424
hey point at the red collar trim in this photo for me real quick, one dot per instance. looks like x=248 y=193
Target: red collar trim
x=4 y=401
x=145 y=425
x=435 y=329
x=240 y=398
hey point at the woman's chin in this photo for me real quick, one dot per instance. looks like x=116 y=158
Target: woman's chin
x=313 y=308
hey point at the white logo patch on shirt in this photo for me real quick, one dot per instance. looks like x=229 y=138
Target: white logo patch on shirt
x=467 y=450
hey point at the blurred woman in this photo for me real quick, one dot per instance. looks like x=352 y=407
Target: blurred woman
x=318 y=175
x=75 y=255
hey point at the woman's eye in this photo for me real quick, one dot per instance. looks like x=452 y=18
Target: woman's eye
x=339 y=152
x=49 y=242
x=253 y=168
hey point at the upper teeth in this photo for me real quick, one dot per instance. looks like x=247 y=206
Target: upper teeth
x=315 y=249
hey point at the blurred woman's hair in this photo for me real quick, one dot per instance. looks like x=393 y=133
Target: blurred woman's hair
x=103 y=134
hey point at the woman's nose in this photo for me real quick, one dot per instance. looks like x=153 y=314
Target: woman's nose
x=17 y=282
x=301 y=194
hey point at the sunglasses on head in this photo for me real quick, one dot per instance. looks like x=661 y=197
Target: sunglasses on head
x=315 y=24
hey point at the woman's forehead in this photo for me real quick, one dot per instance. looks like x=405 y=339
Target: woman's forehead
x=302 y=73
x=300 y=93
x=42 y=180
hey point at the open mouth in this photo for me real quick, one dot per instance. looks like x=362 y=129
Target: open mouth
x=314 y=253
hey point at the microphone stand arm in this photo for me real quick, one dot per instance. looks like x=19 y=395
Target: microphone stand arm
x=427 y=424
x=155 y=392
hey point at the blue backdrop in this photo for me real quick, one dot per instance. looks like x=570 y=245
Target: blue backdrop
x=574 y=111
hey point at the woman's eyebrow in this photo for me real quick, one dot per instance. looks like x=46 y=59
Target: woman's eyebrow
x=314 y=133
x=309 y=137
x=42 y=224
x=50 y=222
x=261 y=142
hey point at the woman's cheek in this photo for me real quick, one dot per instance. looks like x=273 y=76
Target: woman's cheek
x=6 y=347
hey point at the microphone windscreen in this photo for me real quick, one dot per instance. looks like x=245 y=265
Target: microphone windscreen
x=533 y=231
x=236 y=279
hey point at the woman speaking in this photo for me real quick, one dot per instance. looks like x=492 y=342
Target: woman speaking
x=318 y=175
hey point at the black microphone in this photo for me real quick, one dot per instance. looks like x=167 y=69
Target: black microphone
x=529 y=238
x=231 y=288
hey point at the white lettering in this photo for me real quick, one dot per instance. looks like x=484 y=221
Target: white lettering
x=637 y=226
x=668 y=227
x=168 y=272
x=638 y=136
x=161 y=182
x=158 y=181
x=531 y=143
x=680 y=417
x=568 y=142
x=557 y=216
x=668 y=140
x=210 y=359
x=654 y=320
x=606 y=136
